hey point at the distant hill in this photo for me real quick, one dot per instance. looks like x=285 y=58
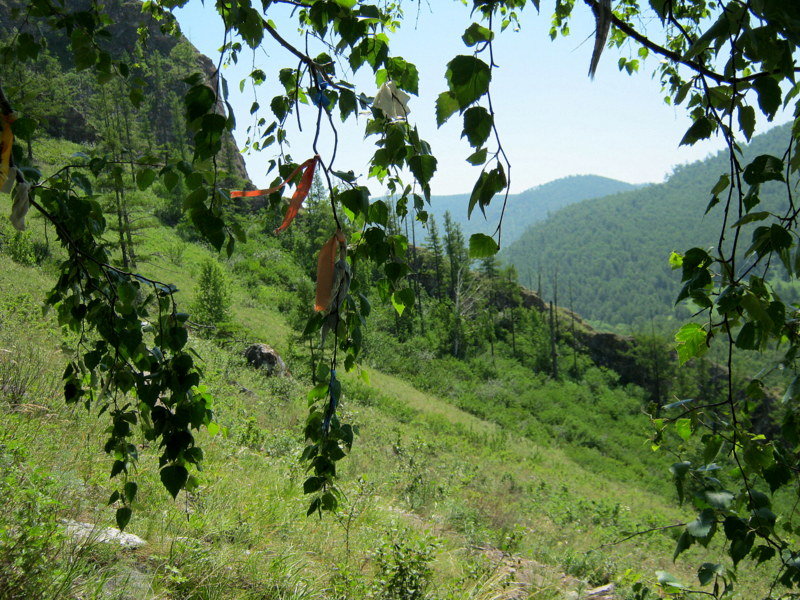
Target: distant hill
x=528 y=207
x=613 y=251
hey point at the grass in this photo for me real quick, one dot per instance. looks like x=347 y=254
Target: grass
x=452 y=496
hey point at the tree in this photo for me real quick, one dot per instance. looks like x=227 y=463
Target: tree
x=725 y=61
x=212 y=295
x=435 y=246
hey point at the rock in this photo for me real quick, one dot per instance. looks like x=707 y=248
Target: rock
x=108 y=535
x=128 y=584
x=262 y=355
x=604 y=592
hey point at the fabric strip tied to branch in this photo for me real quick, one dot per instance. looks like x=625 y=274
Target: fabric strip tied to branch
x=6 y=143
x=300 y=193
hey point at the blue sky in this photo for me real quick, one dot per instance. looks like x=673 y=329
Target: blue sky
x=553 y=120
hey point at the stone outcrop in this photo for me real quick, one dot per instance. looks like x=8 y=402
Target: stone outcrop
x=86 y=532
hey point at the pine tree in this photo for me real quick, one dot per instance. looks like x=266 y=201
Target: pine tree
x=435 y=246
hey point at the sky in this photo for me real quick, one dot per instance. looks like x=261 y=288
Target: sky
x=553 y=120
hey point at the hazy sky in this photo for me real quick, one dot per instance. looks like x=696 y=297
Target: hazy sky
x=553 y=120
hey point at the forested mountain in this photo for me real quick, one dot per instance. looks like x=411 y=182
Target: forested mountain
x=612 y=252
x=525 y=208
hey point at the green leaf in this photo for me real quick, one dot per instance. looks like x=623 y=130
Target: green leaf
x=130 y=490
x=755 y=309
x=328 y=501
x=747 y=338
x=423 y=166
x=313 y=484
x=379 y=213
x=347 y=103
x=356 y=200
x=679 y=471
x=468 y=78
x=701 y=129
x=668 y=582
x=313 y=507
x=708 y=571
x=751 y=218
x=769 y=95
x=720 y=500
x=174 y=478
x=199 y=100
x=403 y=299
x=722 y=184
x=718 y=30
x=740 y=547
x=477 y=34
x=691 y=342
x=747 y=121
x=685 y=542
x=123 y=517
x=703 y=525
x=24 y=128
x=145 y=178
x=684 y=428
x=762 y=554
x=792 y=391
x=764 y=168
x=403 y=73
x=477 y=158
x=446 y=105
x=477 y=125
x=482 y=246
x=489 y=183
x=209 y=225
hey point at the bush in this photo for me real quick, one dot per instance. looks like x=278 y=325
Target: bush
x=404 y=571
x=212 y=295
x=29 y=535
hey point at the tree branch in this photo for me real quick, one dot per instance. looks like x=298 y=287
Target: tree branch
x=674 y=56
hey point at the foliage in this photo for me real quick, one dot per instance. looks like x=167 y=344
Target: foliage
x=212 y=295
x=724 y=60
x=29 y=540
x=403 y=567
x=243 y=532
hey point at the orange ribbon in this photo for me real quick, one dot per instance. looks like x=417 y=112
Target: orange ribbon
x=6 y=143
x=326 y=270
x=303 y=188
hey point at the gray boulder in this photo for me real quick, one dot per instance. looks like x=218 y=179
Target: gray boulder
x=262 y=356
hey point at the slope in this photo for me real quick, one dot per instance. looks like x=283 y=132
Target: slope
x=612 y=252
x=525 y=208
x=425 y=482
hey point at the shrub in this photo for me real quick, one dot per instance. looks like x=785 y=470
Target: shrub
x=212 y=294
x=29 y=535
x=404 y=571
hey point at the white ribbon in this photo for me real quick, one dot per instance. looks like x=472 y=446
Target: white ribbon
x=392 y=101
x=21 y=205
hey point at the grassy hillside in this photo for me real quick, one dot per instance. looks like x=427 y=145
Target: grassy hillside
x=451 y=489
x=495 y=456
x=466 y=475
x=526 y=208
x=612 y=252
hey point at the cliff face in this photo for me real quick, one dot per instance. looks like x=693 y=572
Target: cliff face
x=158 y=62
x=609 y=350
